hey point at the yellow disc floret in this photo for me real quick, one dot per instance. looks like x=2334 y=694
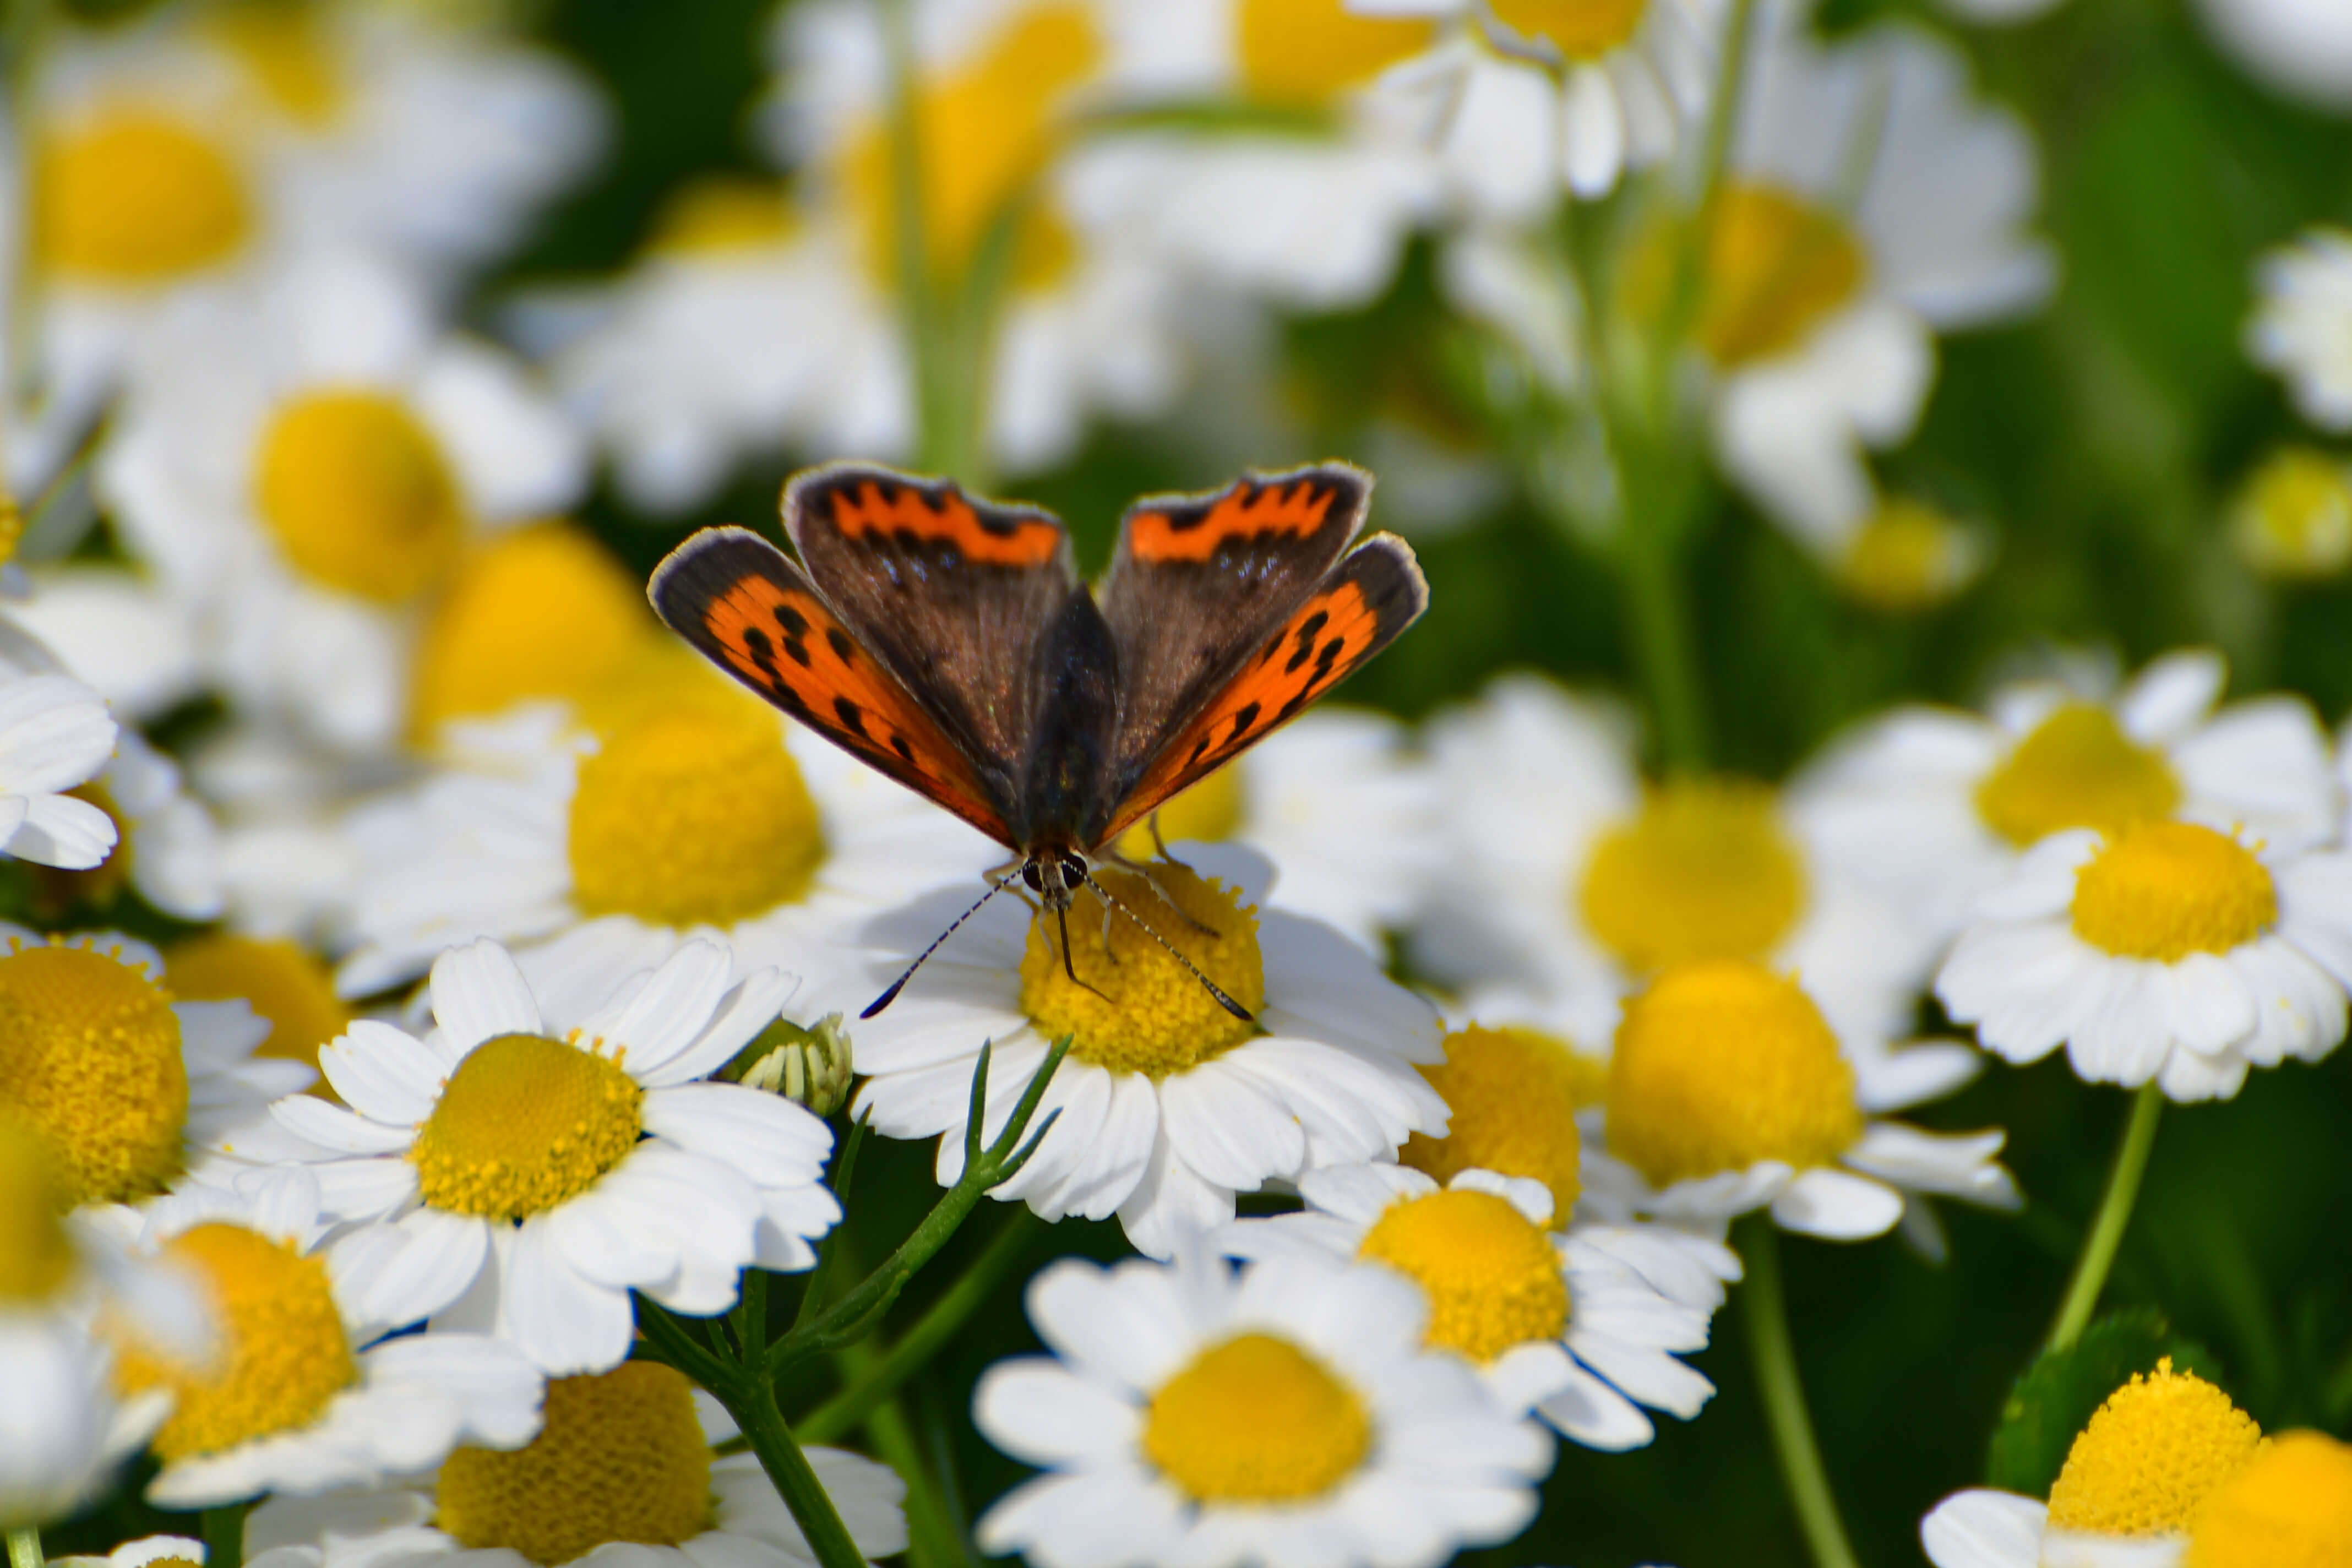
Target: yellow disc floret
x=1135 y=1007
x=283 y=981
x=1255 y=1420
x=89 y=1056
x=1207 y=811
x=358 y=494
x=525 y=1123
x=1491 y=1273
x=2166 y=889
x=620 y=1459
x=136 y=197
x=283 y=1356
x=36 y=1256
x=1582 y=30
x=1777 y=266
x=1705 y=871
x=1304 y=53
x=2075 y=769
x=1723 y=1064
x=693 y=815
x=2290 y=1507
x=2151 y=1454
x=1513 y=1093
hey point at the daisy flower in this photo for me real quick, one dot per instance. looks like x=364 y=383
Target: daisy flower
x=2291 y=519
x=129 y=1088
x=2169 y=951
x=1728 y=1092
x=1553 y=1325
x=1286 y=1412
x=1909 y=557
x=556 y=1501
x=1167 y=1104
x=303 y=1394
x=495 y=1177
x=145 y=1552
x=164 y=843
x=2300 y=48
x=2302 y=326
x=289 y=987
x=1929 y=808
x=55 y=734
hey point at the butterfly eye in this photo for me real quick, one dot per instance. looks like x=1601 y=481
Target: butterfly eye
x=1034 y=876
x=1074 y=870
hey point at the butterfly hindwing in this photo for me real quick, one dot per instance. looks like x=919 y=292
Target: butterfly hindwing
x=745 y=606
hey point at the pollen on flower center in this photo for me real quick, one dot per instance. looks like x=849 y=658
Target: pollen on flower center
x=2170 y=888
x=693 y=815
x=136 y=197
x=1777 y=266
x=2290 y=1507
x=284 y=1355
x=1256 y=1420
x=1304 y=53
x=358 y=494
x=36 y=1256
x=2076 y=769
x=1722 y=1064
x=525 y=1123
x=89 y=1056
x=284 y=983
x=1208 y=812
x=1493 y=1278
x=620 y=1459
x=1513 y=1093
x=1704 y=870
x=1138 y=1009
x=2151 y=1454
x=1581 y=29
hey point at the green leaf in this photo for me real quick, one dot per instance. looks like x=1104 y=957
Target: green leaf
x=2056 y=1397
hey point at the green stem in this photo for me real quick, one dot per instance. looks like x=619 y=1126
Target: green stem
x=1794 y=1444
x=25 y=1548
x=2114 y=1214
x=224 y=1536
x=1714 y=163
x=779 y=1454
x=1662 y=645
x=935 y=1536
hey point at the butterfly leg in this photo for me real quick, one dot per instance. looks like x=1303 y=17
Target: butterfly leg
x=1062 y=919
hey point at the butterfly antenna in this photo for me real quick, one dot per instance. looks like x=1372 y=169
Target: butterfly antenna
x=1227 y=1003
x=900 y=983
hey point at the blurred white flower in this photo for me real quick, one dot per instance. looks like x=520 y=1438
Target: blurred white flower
x=2302 y=327
x=2301 y=48
x=55 y=735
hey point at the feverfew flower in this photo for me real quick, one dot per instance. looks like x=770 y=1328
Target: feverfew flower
x=2302 y=328
x=2291 y=519
x=55 y=734
x=495 y=1177
x=1168 y=1104
x=166 y=844
x=1285 y=1414
x=142 y=1553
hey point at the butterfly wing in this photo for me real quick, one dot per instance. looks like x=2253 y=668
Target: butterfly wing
x=749 y=610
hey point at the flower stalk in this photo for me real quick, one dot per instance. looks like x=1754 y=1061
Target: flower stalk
x=2106 y=1232
x=1774 y=1355
x=223 y=1534
x=25 y=1548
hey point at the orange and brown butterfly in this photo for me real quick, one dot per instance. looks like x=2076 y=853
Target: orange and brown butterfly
x=950 y=643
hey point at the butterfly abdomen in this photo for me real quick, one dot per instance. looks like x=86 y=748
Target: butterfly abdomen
x=1077 y=707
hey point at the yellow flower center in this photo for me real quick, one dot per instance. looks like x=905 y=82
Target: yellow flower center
x=1514 y=1094
x=1135 y=1008
x=1304 y=53
x=2291 y=1507
x=1581 y=29
x=284 y=981
x=2155 y=1450
x=1777 y=266
x=542 y=612
x=986 y=132
x=1208 y=812
x=56 y=890
x=620 y=1459
x=136 y=197
x=289 y=56
x=284 y=1353
x=36 y=1256
x=2076 y=769
x=692 y=815
x=1722 y=1064
x=2293 y=517
x=1255 y=1420
x=719 y=214
x=89 y=1055
x=1907 y=558
x=1704 y=871
x=524 y=1124
x=1493 y=1278
x=2170 y=888
x=358 y=494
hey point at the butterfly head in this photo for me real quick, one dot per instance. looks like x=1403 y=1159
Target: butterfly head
x=1055 y=875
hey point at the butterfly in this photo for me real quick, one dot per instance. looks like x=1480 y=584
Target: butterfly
x=949 y=643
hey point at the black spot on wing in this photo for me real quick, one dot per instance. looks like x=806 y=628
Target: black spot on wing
x=838 y=640
x=1308 y=630
x=852 y=717
x=1243 y=717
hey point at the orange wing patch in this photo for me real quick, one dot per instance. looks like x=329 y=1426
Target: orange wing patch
x=1249 y=509
x=1000 y=536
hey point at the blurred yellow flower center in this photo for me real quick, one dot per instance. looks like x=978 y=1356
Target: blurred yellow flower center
x=1777 y=266
x=524 y=1124
x=1513 y=1093
x=1704 y=870
x=1493 y=1278
x=284 y=981
x=620 y=1459
x=542 y=612
x=55 y=891
x=283 y=1355
x=692 y=815
x=986 y=129
x=357 y=493
x=1909 y=557
x=1722 y=1064
x=1580 y=29
x=1208 y=812
x=2290 y=1507
x=1135 y=1008
x=2293 y=518
x=720 y=213
x=1256 y=1420
x=2075 y=769
x=2151 y=1454
x=135 y=197
x=287 y=52
x=2170 y=888
x=89 y=1056
x=36 y=1256
x=1303 y=53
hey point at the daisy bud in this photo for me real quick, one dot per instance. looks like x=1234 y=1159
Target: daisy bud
x=809 y=1066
